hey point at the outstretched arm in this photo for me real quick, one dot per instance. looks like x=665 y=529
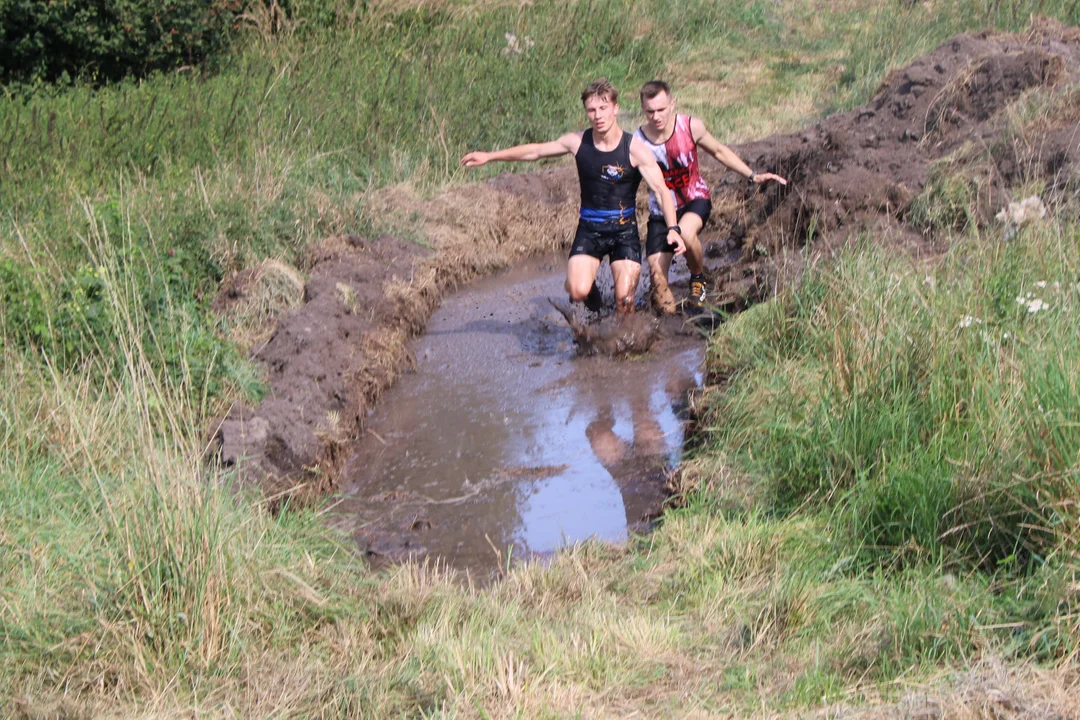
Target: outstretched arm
x=726 y=155
x=567 y=144
x=644 y=161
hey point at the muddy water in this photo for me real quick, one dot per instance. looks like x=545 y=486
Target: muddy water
x=505 y=443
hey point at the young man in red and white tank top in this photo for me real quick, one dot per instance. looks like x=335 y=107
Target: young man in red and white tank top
x=674 y=140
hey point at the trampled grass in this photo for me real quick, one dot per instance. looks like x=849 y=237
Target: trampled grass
x=885 y=480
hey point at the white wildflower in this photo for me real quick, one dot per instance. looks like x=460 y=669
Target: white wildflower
x=1040 y=284
x=1023 y=212
x=968 y=321
x=1036 y=305
x=515 y=46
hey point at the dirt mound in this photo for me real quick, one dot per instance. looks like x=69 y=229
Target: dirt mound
x=327 y=362
x=947 y=118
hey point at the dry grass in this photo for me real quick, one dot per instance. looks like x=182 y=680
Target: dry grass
x=253 y=299
x=991 y=690
x=477 y=229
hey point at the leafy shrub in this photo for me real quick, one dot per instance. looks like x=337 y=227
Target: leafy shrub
x=106 y=40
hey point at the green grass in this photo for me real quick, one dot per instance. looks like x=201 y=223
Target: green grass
x=900 y=477
x=932 y=412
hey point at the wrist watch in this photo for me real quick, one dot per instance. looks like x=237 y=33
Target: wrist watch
x=751 y=178
x=676 y=228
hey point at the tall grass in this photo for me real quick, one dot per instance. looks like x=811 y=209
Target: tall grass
x=131 y=558
x=933 y=410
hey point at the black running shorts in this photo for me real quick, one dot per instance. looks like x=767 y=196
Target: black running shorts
x=656 y=236
x=619 y=240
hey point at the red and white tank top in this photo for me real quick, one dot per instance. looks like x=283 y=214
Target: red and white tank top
x=678 y=159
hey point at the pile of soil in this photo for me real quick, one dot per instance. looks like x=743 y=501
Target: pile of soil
x=854 y=172
x=861 y=171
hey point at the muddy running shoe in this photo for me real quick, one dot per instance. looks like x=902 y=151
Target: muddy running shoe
x=594 y=300
x=699 y=292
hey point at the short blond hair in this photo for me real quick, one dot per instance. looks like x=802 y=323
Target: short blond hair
x=600 y=88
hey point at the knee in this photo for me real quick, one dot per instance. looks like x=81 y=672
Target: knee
x=578 y=292
x=691 y=239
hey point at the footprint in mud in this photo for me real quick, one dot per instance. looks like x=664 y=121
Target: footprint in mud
x=616 y=335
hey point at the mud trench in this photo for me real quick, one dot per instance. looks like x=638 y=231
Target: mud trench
x=503 y=437
x=507 y=442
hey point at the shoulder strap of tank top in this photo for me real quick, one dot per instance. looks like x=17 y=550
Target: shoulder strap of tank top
x=690 y=129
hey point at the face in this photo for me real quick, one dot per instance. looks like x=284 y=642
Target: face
x=601 y=112
x=659 y=111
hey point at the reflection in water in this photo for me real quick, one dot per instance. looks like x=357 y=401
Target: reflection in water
x=503 y=437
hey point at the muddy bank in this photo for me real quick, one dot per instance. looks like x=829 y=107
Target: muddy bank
x=329 y=360
x=944 y=118
x=866 y=170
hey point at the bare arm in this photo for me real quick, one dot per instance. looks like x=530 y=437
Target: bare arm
x=726 y=155
x=567 y=144
x=644 y=161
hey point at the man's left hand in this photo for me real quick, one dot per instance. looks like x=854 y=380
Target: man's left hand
x=760 y=178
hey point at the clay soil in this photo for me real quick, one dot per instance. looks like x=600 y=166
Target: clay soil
x=855 y=173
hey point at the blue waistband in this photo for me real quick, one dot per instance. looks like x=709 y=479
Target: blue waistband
x=602 y=216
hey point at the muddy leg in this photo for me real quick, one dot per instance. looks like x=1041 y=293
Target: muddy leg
x=626 y=274
x=663 y=300
x=580 y=276
x=690 y=223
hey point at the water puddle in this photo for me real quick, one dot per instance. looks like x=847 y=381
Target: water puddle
x=504 y=442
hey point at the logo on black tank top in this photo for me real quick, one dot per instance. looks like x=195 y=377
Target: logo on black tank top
x=612 y=172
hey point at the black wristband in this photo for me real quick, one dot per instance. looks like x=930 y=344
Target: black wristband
x=751 y=178
x=676 y=228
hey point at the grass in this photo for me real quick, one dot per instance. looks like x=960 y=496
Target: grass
x=913 y=391
x=883 y=487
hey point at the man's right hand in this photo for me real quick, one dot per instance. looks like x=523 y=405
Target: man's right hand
x=475 y=159
x=675 y=239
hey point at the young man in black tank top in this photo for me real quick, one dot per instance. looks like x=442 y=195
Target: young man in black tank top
x=610 y=166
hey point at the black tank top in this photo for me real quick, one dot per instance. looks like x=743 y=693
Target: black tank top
x=609 y=183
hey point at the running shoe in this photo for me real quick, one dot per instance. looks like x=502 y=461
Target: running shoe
x=699 y=292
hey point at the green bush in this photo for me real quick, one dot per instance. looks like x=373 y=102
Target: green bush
x=106 y=40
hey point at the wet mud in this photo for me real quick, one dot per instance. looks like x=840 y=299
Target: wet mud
x=508 y=441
